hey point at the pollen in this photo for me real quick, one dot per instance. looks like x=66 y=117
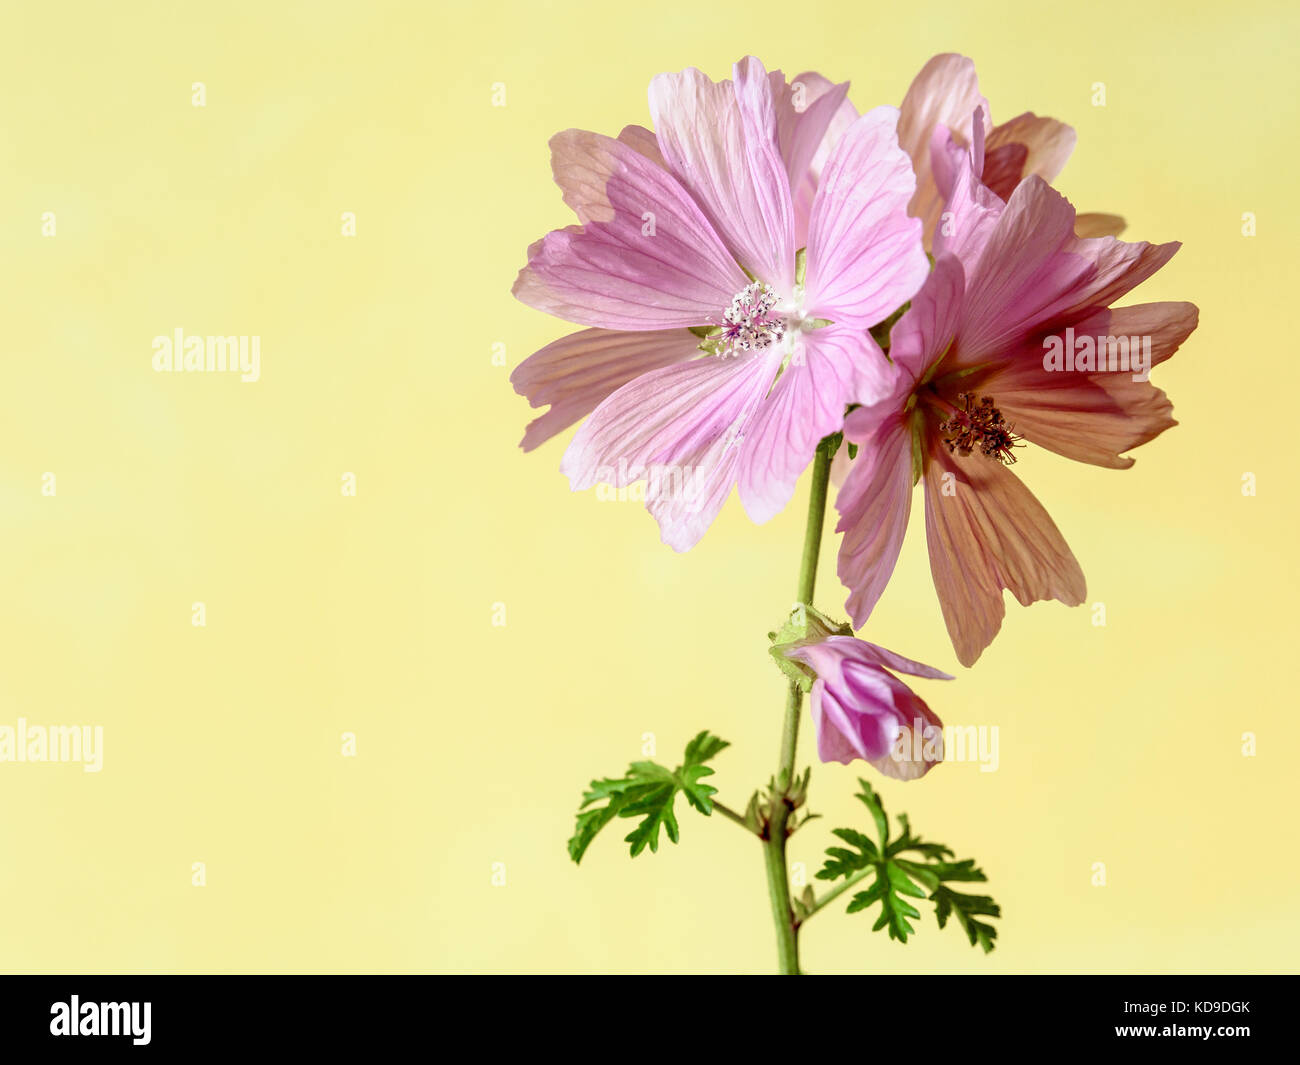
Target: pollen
x=979 y=426
x=750 y=323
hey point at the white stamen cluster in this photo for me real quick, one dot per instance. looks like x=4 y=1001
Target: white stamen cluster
x=749 y=324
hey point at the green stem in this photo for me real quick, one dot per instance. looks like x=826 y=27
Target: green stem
x=812 y=539
x=778 y=890
x=778 y=881
x=731 y=815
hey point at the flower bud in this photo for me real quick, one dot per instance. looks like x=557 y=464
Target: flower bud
x=862 y=711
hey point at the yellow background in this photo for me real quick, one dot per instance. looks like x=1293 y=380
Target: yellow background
x=373 y=614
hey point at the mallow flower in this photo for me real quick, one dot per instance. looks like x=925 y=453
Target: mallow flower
x=723 y=343
x=980 y=370
x=944 y=105
x=863 y=711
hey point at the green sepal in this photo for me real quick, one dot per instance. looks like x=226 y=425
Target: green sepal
x=914 y=427
x=803 y=903
x=710 y=337
x=881 y=330
x=803 y=625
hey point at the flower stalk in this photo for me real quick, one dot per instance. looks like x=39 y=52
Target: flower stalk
x=782 y=806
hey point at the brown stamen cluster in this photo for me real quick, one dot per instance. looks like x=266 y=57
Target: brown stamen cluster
x=979 y=426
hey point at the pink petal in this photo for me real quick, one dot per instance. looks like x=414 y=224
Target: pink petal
x=804 y=111
x=577 y=372
x=882 y=656
x=1034 y=272
x=862 y=711
x=830 y=368
x=1004 y=166
x=926 y=331
x=805 y=186
x=911 y=756
x=816 y=87
x=864 y=253
x=679 y=428
x=864 y=728
x=873 y=717
x=1094 y=417
x=950 y=154
x=945 y=93
x=827 y=658
x=874 y=504
x=1119 y=267
x=840 y=466
x=622 y=272
x=1023 y=275
x=687 y=497
x=720 y=140
x=990 y=533
x=971 y=209
x=1040 y=145
x=582 y=165
x=642 y=140
x=811 y=114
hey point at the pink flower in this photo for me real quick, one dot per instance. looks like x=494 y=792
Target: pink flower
x=944 y=107
x=863 y=711
x=976 y=358
x=696 y=227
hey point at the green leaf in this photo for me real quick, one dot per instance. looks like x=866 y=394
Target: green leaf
x=872 y=802
x=841 y=862
x=902 y=883
x=648 y=791
x=895 y=878
x=908 y=842
x=703 y=747
x=894 y=912
x=966 y=907
x=697 y=794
